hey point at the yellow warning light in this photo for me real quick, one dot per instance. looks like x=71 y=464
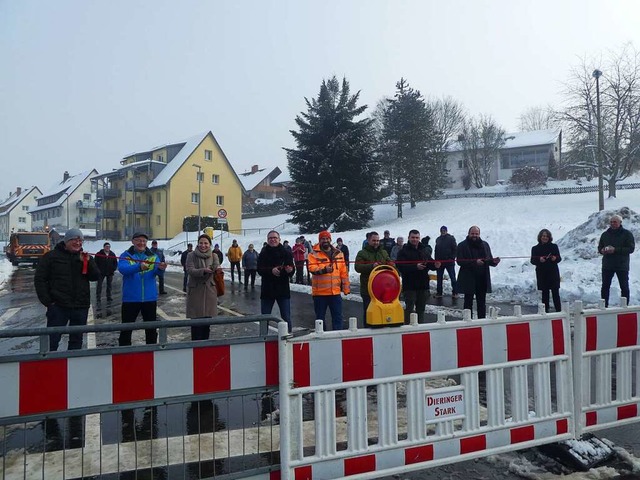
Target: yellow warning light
x=384 y=289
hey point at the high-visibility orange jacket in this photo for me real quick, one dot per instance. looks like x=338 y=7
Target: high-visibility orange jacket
x=328 y=283
x=234 y=254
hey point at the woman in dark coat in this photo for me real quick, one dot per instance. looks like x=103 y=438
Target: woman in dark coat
x=546 y=256
x=202 y=297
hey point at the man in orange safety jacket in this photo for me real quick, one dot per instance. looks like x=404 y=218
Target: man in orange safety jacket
x=329 y=277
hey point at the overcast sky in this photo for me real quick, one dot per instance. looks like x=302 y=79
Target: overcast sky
x=83 y=83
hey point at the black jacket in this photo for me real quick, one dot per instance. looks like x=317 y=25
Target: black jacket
x=183 y=259
x=274 y=287
x=624 y=243
x=407 y=262
x=107 y=262
x=59 y=278
x=547 y=272
x=471 y=273
x=446 y=247
x=387 y=244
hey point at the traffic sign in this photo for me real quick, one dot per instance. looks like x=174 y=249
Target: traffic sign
x=222 y=213
x=222 y=221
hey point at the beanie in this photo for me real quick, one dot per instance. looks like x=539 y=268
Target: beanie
x=324 y=234
x=73 y=233
x=443 y=227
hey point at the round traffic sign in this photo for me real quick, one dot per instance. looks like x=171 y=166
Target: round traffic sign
x=222 y=213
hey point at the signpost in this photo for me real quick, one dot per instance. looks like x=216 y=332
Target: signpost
x=222 y=219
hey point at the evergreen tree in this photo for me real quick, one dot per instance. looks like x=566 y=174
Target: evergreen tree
x=409 y=143
x=334 y=178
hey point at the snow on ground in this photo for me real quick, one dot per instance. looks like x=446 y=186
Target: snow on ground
x=510 y=225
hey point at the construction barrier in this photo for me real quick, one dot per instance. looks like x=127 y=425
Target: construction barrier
x=419 y=419
x=606 y=367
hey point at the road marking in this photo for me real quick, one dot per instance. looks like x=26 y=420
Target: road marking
x=161 y=313
x=8 y=314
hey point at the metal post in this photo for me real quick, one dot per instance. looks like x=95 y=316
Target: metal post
x=597 y=74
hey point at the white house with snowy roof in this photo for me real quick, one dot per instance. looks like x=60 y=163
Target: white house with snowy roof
x=68 y=203
x=262 y=184
x=537 y=148
x=14 y=211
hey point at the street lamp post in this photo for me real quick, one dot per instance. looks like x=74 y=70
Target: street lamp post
x=199 y=193
x=597 y=74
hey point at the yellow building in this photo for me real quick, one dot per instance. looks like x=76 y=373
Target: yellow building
x=154 y=190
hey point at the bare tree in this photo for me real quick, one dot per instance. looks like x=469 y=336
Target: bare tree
x=481 y=141
x=449 y=116
x=620 y=116
x=538 y=118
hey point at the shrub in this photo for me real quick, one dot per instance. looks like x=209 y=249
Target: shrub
x=529 y=177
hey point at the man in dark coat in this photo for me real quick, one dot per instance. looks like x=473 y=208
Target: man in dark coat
x=387 y=242
x=107 y=263
x=183 y=262
x=546 y=256
x=275 y=266
x=446 y=252
x=474 y=258
x=414 y=264
x=615 y=246
x=345 y=251
x=62 y=284
x=160 y=254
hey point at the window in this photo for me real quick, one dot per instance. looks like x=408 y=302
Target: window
x=158 y=197
x=208 y=155
x=86 y=197
x=158 y=220
x=219 y=199
x=194 y=198
x=25 y=208
x=200 y=176
x=160 y=158
x=215 y=179
x=22 y=219
x=460 y=164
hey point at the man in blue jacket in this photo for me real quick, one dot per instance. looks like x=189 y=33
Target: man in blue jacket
x=139 y=267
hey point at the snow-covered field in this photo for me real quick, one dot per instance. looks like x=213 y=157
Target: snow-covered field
x=510 y=225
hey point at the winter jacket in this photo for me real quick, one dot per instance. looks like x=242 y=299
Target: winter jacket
x=364 y=264
x=345 y=253
x=59 y=278
x=387 y=244
x=234 y=254
x=470 y=272
x=183 y=259
x=395 y=250
x=446 y=247
x=138 y=283
x=220 y=255
x=158 y=252
x=408 y=259
x=299 y=252
x=547 y=272
x=202 y=297
x=107 y=262
x=425 y=242
x=274 y=287
x=624 y=243
x=250 y=260
x=325 y=283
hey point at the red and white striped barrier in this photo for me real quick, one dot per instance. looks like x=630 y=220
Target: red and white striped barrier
x=93 y=379
x=519 y=357
x=607 y=385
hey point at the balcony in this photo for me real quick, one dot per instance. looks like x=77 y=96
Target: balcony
x=136 y=185
x=114 y=214
x=85 y=204
x=110 y=234
x=108 y=193
x=140 y=208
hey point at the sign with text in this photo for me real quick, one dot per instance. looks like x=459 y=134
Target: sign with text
x=444 y=404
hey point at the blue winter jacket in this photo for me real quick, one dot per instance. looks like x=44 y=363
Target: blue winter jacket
x=138 y=285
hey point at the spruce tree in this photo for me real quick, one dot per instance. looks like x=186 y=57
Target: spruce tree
x=334 y=178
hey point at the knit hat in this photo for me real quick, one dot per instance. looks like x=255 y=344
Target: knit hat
x=443 y=227
x=339 y=240
x=139 y=234
x=324 y=234
x=73 y=233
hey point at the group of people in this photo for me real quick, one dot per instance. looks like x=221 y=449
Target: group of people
x=63 y=275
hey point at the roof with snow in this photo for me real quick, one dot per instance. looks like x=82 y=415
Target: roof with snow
x=520 y=139
x=69 y=186
x=14 y=199
x=284 y=177
x=250 y=179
